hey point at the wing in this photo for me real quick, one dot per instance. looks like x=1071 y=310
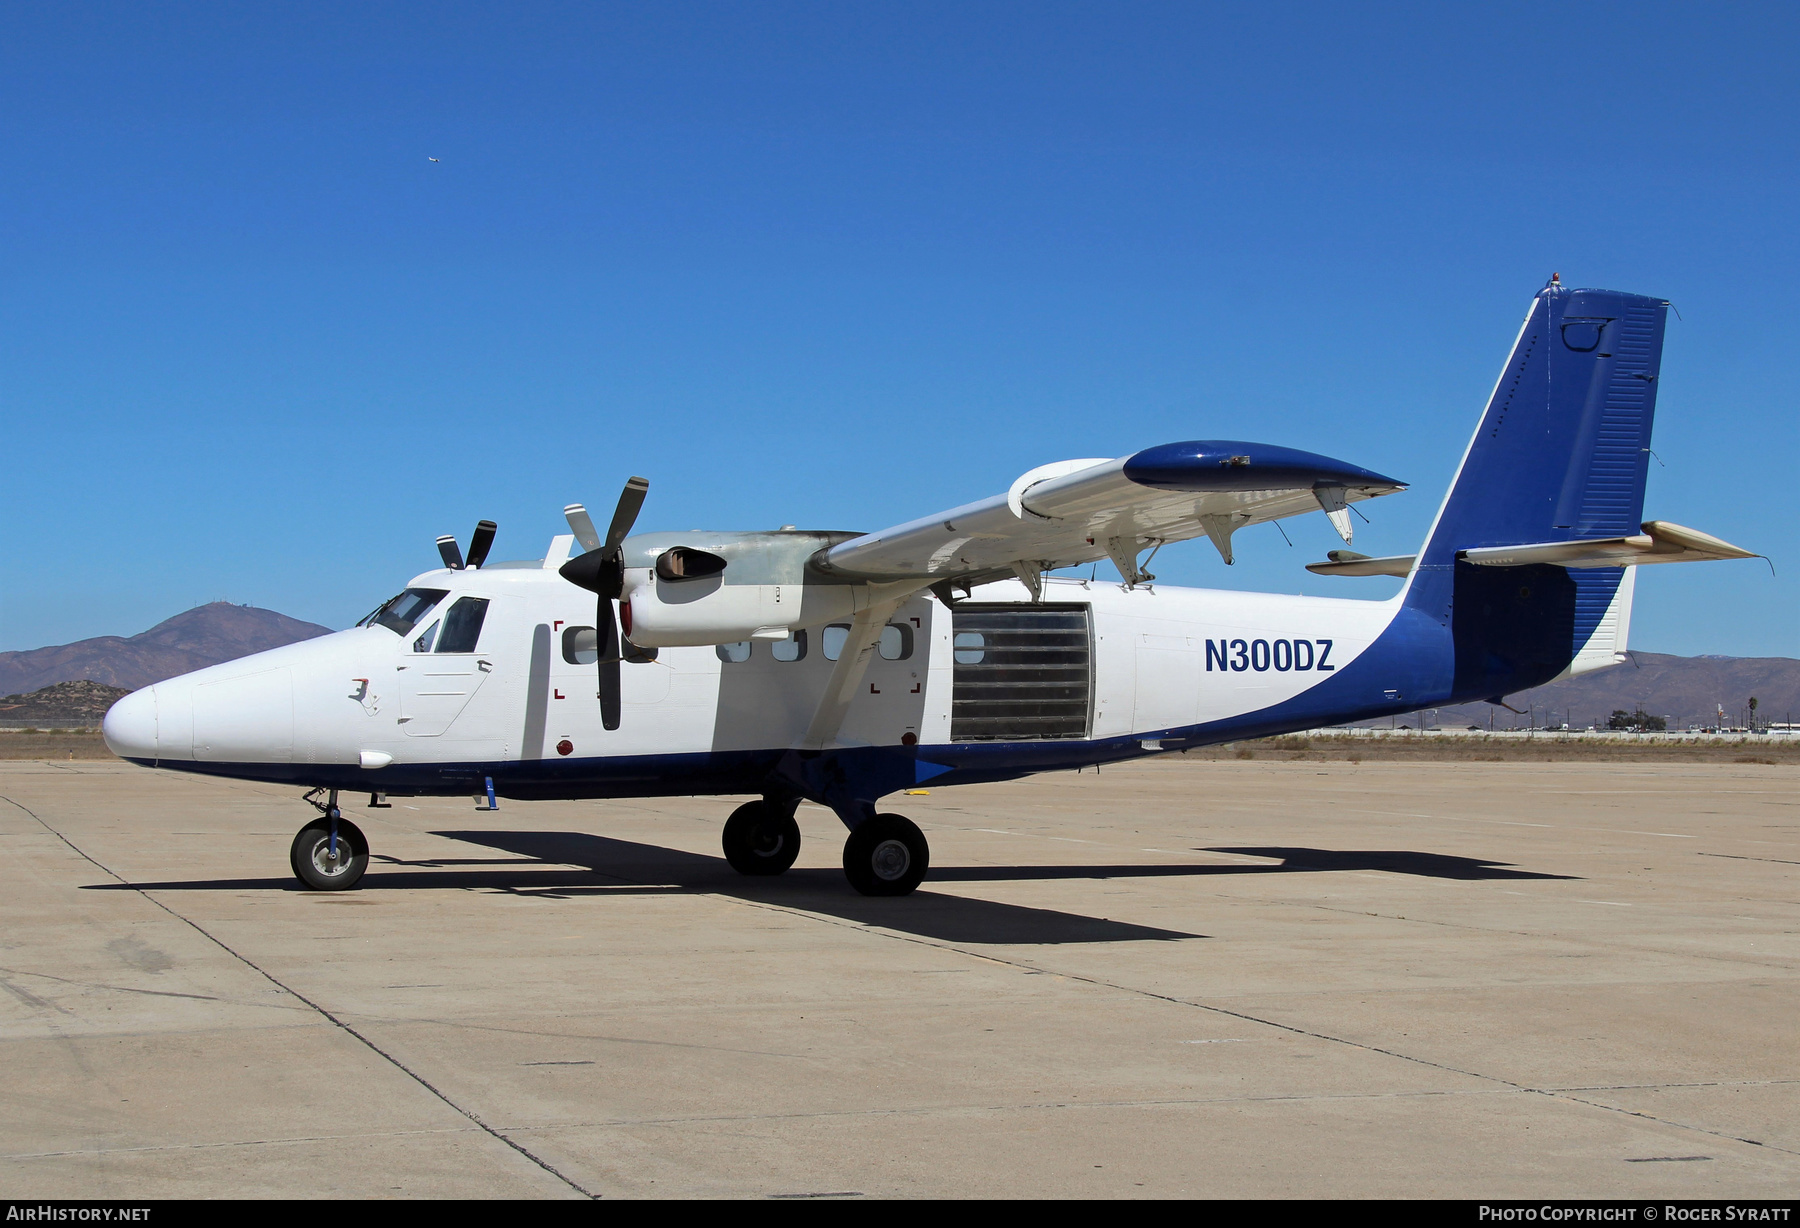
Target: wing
x=1081 y=511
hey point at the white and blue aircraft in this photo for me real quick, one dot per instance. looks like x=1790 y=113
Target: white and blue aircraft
x=843 y=667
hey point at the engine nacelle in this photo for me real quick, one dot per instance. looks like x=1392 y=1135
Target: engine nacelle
x=678 y=593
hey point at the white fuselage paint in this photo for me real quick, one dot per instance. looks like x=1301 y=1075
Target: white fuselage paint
x=1164 y=657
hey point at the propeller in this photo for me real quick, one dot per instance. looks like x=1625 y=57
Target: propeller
x=601 y=571
x=479 y=545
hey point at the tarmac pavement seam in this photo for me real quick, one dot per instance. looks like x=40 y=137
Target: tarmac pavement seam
x=1641 y=947
x=322 y=1012
x=925 y=1110
x=1144 y=1103
x=463 y=1025
x=63 y=980
x=247 y=1142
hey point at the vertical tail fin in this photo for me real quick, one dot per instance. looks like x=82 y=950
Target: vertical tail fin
x=1561 y=454
x=1563 y=449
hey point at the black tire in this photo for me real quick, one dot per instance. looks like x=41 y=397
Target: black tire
x=761 y=838
x=312 y=861
x=886 y=855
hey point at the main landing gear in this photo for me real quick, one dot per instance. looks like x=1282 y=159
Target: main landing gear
x=884 y=855
x=762 y=838
x=330 y=853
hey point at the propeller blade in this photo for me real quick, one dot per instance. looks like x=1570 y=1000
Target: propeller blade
x=607 y=636
x=451 y=552
x=482 y=542
x=631 y=502
x=582 y=526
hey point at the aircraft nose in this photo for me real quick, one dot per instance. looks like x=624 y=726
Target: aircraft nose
x=130 y=726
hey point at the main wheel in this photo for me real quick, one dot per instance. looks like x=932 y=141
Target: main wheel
x=315 y=863
x=762 y=838
x=886 y=855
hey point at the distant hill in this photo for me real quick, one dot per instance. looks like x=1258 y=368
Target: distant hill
x=193 y=639
x=1687 y=690
x=62 y=705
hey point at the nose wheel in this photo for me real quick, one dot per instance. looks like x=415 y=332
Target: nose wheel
x=325 y=861
x=886 y=855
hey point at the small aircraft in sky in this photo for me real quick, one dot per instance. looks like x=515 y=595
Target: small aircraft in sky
x=840 y=668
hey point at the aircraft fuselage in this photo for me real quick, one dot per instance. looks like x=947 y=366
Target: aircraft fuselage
x=974 y=688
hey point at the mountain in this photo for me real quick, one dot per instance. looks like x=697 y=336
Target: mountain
x=1687 y=690
x=193 y=639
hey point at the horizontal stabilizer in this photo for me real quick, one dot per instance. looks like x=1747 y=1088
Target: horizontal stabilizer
x=1350 y=563
x=1660 y=542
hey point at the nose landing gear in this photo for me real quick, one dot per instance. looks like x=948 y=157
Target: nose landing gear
x=330 y=853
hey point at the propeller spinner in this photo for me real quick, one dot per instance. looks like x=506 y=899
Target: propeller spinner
x=601 y=571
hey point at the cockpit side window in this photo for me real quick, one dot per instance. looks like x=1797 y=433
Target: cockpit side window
x=401 y=614
x=424 y=642
x=462 y=625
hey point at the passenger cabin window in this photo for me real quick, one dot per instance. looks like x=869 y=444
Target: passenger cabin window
x=424 y=642
x=581 y=645
x=462 y=625
x=401 y=614
x=970 y=647
x=793 y=648
x=832 y=642
x=734 y=654
x=896 y=642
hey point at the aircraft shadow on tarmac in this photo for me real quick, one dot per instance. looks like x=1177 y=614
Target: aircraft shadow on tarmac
x=648 y=867
x=624 y=867
x=1425 y=865
x=615 y=867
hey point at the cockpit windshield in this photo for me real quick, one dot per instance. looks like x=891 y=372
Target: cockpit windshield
x=401 y=614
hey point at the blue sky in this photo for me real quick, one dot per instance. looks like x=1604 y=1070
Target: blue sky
x=842 y=265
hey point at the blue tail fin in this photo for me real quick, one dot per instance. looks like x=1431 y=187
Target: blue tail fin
x=1562 y=453
x=1562 y=450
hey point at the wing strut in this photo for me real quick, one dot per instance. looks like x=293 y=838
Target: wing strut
x=852 y=664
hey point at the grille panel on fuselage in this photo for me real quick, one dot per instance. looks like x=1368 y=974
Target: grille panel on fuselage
x=1034 y=678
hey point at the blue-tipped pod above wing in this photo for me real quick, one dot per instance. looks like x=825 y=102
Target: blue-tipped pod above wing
x=1205 y=465
x=1230 y=464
